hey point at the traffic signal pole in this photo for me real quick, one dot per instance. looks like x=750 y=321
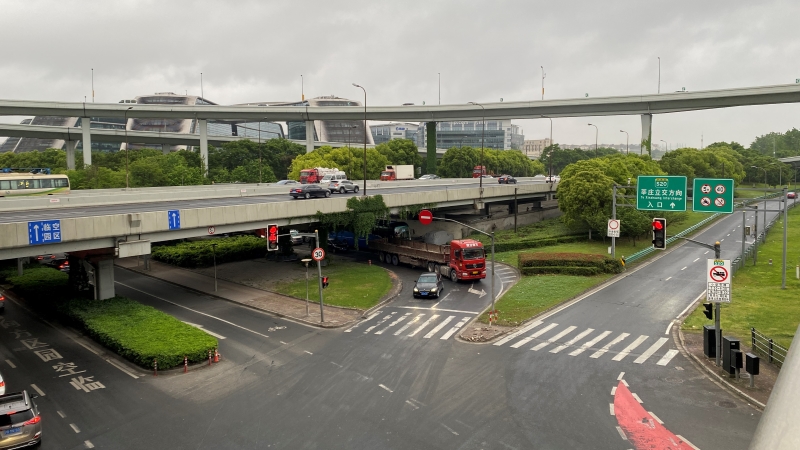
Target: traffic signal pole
x=614 y=217
x=319 y=280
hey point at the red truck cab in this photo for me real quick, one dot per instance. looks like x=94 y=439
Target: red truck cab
x=467 y=260
x=479 y=171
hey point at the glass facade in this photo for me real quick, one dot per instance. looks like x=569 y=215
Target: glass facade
x=351 y=131
x=499 y=134
x=386 y=132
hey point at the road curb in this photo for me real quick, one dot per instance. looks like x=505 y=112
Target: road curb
x=394 y=293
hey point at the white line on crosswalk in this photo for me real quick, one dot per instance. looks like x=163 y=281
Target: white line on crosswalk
x=534 y=335
x=605 y=348
x=667 y=358
x=455 y=328
x=630 y=348
x=523 y=330
x=555 y=338
x=380 y=322
x=572 y=341
x=410 y=322
x=371 y=316
x=438 y=327
x=589 y=344
x=437 y=309
x=649 y=352
x=398 y=320
x=425 y=324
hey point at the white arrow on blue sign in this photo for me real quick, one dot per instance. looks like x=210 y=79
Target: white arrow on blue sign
x=174 y=219
x=44 y=232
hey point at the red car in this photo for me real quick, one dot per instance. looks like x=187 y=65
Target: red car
x=791 y=195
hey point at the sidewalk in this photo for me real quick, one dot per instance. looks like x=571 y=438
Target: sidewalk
x=271 y=302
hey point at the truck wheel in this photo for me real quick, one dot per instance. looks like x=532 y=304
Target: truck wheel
x=453 y=276
x=382 y=256
x=430 y=267
x=395 y=261
x=355 y=189
x=436 y=268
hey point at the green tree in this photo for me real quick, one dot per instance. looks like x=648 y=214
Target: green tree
x=458 y=162
x=400 y=151
x=348 y=159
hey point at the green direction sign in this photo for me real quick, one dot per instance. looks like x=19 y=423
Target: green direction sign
x=713 y=195
x=661 y=193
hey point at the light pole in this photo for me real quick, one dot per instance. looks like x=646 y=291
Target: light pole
x=627 y=141
x=780 y=173
x=440 y=87
x=659 y=74
x=365 y=137
x=127 y=185
x=306 y=261
x=766 y=186
x=483 y=132
x=550 y=154
x=543 y=77
x=260 y=178
x=596 y=131
x=214 y=254
x=666 y=146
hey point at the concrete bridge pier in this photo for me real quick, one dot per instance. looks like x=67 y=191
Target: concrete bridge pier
x=95 y=267
x=647 y=133
x=71 y=154
x=86 y=124
x=203 y=125
x=104 y=278
x=309 y=136
x=431 y=146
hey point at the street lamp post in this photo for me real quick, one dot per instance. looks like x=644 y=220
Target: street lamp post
x=627 y=141
x=780 y=173
x=666 y=146
x=127 y=185
x=483 y=132
x=766 y=186
x=543 y=77
x=440 y=87
x=596 y=131
x=365 y=137
x=260 y=178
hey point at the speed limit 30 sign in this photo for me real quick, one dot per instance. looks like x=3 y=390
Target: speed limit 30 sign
x=718 y=279
x=318 y=254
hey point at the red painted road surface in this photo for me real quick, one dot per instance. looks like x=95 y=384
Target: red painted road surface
x=642 y=430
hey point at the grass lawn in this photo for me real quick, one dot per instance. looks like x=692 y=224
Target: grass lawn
x=351 y=284
x=757 y=298
x=546 y=228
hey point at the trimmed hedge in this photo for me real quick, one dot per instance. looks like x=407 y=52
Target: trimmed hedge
x=201 y=254
x=140 y=333
x=567 y=263
x=38 y=282
x=525 y=244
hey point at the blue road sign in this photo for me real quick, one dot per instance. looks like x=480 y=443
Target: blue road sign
x=44 y=232
x=174 y=219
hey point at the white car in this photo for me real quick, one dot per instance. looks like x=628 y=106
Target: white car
x=552 y=179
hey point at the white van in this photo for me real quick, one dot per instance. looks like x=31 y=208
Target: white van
x=337 y=176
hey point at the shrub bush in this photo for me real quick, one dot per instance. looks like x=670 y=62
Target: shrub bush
x=201 y=254
x=524 y=244
x=140 y=333
x=38 y=282
x=562 y=270
x=560 y=262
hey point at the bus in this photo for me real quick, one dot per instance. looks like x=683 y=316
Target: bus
x=35 y=182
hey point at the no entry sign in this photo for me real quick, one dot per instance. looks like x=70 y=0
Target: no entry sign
x=425 y=217
x=718 y=279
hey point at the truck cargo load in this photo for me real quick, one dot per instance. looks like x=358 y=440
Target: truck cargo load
x=461 y=259
x=395 y=172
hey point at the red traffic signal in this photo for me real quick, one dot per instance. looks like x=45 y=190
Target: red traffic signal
x=324 y=282
x=272 y=237
x=658 y=224
x=660 y=234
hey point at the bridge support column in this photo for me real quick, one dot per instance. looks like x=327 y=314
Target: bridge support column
x=203 y=125
x=86 y=124
x=20 y=261
x=647 y=133
x=430 y=133
x=309 y=136
x=165 y=149
x=104 y=278
x=71 y=154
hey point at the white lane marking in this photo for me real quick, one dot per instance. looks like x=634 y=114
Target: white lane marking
x=621 y=355
x=729 y=234
x=455 y=328
x=696 y=259
x=371 y=316
x=514 y=335
x=686 y=442
x=621 y=376
x=441 y=300
x=624 y=382
x=572 y=341
x=412 y=405
x=380 y=322
x=668 y=278
x=555 y=338
x=649 y=352
x=589 y=344
x=200 y=327
x=669 y=326
x=534 y=335
x=605 y=348
x=337 y=365
x=38 y=391
x=439 y=309
x=308 y=352
x=86 y=347
x=621 y=433
x=63 y=416
x=88 y=444
x=706 y=252
x=450 y=429
x=438 y=327
x=424 y=324
x=684 y=267
x=75 y=428
x=667 y=357
x=636 y=397
x=409 y=323
x=613 y=390
x=398 y=320
x=611 y=408
x=189 y=309
x=123 y=369
x=690 y=305
x=284 y=343
x=385 y=388
x=655 y=417
x=721 y=240
x=11 y=364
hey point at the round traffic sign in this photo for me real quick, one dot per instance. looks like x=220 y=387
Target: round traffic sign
x=719 y=189
x=212 y=230
x=706 y=189
x=613 y=224
x=719 y=202
x=705 y=201
x=718 y=274
x=425 y=217
x=318 y=254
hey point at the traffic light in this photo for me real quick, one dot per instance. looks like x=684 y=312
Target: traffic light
x=324 y=282
x=660 y=234
x=709 y=310
x=272 y=237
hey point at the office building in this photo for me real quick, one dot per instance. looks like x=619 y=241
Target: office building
x=533 y=148
x=499 y=134
x=395 y=130
x=328 y=130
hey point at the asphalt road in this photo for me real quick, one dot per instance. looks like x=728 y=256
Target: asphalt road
x=286 y=385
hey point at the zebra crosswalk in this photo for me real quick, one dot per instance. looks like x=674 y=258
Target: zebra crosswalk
x=429 y=324
x=558 y=339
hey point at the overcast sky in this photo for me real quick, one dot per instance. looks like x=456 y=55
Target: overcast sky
x=484 y=50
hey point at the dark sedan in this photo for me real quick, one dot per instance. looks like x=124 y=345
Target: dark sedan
x=507 y=179
x=308 y=191
x=428 y=285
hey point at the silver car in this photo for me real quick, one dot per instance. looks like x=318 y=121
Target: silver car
x=20 y=422
x=342 y=186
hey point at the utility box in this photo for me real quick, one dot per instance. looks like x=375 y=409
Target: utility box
x=747 y=230
x=751 y=363
x=728 y=344
x=709 y=341
x=736 y=359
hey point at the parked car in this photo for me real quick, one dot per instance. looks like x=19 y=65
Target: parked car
x=308 y=191
x=487 y=176
x=2 y=309
x=342 y=186
x=428 y=285
x=430 y=176
x=791 y=195
x=552 y=179
x=288 y=182
x=20 y=422
x=507 y=179
x=296 y=238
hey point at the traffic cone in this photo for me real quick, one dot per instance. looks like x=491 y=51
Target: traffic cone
x=216 y=356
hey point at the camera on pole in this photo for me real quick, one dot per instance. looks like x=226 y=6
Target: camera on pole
x=660 y=234
x=709 y=310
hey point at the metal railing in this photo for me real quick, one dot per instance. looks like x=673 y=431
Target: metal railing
x=765 y=346
x=740 y=261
